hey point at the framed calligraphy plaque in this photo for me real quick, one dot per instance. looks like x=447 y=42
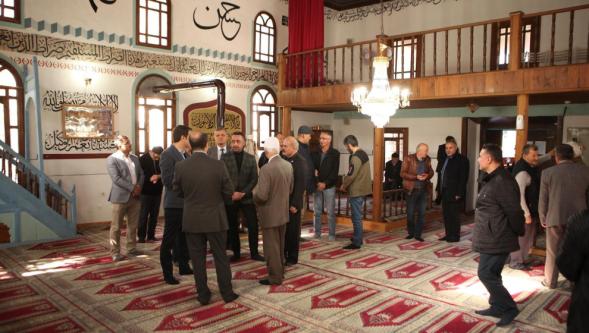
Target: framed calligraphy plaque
x=87 y=122
x=202 y=117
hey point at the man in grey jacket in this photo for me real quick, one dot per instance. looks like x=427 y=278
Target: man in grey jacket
x=126 y=174
x=499 y=220
x=271 y=196
x=563 y=193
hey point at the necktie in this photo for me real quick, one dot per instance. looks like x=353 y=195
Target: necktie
x=222 y=152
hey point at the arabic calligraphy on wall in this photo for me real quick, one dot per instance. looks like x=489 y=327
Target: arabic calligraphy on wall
x=95 y=7
x=220 y=18
x=202 y=117
x=56 y=141
x=53 y=99
x=58 y=48
x=360 y=13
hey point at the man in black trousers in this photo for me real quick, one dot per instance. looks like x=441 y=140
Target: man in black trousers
x=499 y=220
x=290 y=148
x=441 y=158
x=151 y=194
x=205 y=185
x=173 y=208
x=453 y=180
x=244 y=175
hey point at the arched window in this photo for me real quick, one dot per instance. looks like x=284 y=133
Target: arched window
x=10 y=11
x=264 y=117
x=265 y=38
x=156 y=115
x=11 y=108
x=153 y=23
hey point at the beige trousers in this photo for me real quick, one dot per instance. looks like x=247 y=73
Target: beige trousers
x=130 y=209
x=274 y=252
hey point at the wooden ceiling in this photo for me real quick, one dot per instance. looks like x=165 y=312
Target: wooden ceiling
x=348 y=4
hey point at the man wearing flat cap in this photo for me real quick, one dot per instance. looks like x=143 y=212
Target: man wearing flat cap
x=271 y=195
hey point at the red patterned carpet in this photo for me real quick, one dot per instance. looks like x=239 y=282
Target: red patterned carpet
x=391 y=285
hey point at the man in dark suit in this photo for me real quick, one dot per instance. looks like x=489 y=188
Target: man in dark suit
x=205 y=185
x=271 y=196
x=563 y=193
x=151 y=194
x=244 y=176
x=573 y=262
x=392 y=173
x=290 y=148
x=220 y=148
x=126 y=174
x=441 y=158
x=174 y=239
x=453 y=180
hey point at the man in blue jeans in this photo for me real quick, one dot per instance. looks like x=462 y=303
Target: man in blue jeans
x=358 y=184
x=416 y=173
x=326 y=164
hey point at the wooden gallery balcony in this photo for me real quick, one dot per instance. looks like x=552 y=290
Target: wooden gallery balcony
x=526 y=58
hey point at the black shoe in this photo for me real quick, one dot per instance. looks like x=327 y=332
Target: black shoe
x=520 y=267
x=152 y=239
x=186 y=270
x=409 y=237
x=490 y=312
x=204 y=301
x=445 y=238
x=453 y=240
x=302 y=240
x=508 y=317
x=231 y=298
x=140 y=240
x=351 y=247
x=265 y=282
x=290 y=263
x=235 y=258
x=171 y=280
x=419 y=239
x=257 y=257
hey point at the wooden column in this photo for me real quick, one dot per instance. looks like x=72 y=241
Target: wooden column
x=281 y=72
x=378 y=159
x=523 y=102
x=286 y=121
x=515 y=41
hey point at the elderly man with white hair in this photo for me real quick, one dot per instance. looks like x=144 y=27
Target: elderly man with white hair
x=271 y=196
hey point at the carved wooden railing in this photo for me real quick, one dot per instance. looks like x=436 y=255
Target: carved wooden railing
x=22 y=172
x=467 y=48
x=394 y=205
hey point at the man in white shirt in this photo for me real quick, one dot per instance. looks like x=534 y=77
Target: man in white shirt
x=126 y=174
x=527 y=176
x=220 y=147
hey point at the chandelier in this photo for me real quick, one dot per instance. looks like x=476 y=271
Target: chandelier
x=382 y=101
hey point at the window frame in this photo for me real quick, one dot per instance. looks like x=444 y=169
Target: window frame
x=141 y=150
x=20 y=112
x=274 y=36
x=416 y=44
x=17 y=11
x=169 y=26
x=257 y=120
x=535 y=27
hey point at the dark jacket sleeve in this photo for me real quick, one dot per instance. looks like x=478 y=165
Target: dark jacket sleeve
x=299 y=170
x=253 y=177
x=334 y=170
x=227 y=185
x=463 y=174
x=441 y=157
x=510 y=203
x=176 y=185
x=167 y=167
x=573 y=255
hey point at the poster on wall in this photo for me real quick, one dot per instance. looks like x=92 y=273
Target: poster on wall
x=88 y=121
x=202 y=117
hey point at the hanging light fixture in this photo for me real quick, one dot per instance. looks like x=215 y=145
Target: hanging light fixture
x=382 y=101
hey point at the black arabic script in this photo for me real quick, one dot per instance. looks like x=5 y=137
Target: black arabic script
x=56 y=141
x=95 y=8
x=227 y=23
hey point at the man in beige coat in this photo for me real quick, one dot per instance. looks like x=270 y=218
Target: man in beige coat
x=271 y=196
x=563 y=193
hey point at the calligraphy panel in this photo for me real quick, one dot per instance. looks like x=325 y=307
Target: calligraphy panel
x=202 y=117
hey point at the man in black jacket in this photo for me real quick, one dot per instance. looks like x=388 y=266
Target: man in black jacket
x=441 y=158
x=244 y=175
x=326 y=163
x=151 y=194
x=499 y=220
x=453 y=179
x=573 y=263
x=392 y=173
x=290 y=148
